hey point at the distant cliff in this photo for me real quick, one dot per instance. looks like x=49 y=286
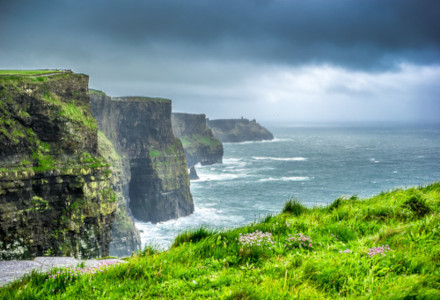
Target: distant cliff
x=140 y=129
x=197 y=138
x=55 y=189
x=239 y=130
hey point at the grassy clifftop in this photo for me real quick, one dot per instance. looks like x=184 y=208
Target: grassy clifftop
x=384 y=247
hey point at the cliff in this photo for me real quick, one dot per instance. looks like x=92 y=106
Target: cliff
x=55 y=192
x=198 y=141
x=239 y=130
x=140 y=129
x=126 y=237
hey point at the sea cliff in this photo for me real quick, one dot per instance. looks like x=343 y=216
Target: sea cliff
x=239 y=130
x=126 y=238
x=198 y=141
x=140 y=129
x=55 y=191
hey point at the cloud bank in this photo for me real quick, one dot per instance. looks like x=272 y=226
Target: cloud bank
x=312 y=60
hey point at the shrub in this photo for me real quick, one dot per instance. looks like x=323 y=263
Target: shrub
x=192 y=236
x=294 y=207
x=148 y=250
x=417 y=205
x=335 y=204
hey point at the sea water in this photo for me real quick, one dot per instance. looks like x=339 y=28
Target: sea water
x=315 y=165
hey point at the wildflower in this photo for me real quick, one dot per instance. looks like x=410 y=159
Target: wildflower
x=299 y=240
x=381 y=250
x=256 y=238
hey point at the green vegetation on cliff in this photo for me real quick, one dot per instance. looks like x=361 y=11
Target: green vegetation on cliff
x=30 y=72
x=386 y=247
x=124 y=233
x=55 y=194
x=140 y=130
x=72 y=110
x=197 y=140
x=199 y=143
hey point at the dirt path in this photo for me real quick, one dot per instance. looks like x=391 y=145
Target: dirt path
x=14 y=269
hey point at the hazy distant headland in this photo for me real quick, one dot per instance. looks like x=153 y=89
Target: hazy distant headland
x=239 y=130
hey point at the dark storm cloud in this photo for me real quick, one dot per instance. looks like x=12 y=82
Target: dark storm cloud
x=368 y=34
x=273 y=60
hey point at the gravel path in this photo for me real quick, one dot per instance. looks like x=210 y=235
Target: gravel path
x=14 y=269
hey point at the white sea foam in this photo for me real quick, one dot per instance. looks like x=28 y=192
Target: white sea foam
x=230 y=161
x=275 y=140
x=280 y=158
x=162 y=234
x=215 y=177
x=293 y=178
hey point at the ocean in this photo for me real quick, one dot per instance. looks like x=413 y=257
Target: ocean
x=314 y=164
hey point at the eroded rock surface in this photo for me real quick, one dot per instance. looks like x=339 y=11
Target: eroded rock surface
x=140 y=129
x=198 y=141
x=55 y=193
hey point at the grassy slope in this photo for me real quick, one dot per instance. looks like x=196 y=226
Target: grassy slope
x=203 y=263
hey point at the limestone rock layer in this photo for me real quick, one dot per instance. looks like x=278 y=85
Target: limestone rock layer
x=140 y=129
x=55 y=193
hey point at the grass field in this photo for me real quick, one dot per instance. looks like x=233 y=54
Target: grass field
x=28 y=72
x=386 y=247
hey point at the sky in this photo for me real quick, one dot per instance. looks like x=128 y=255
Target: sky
x=288 y=61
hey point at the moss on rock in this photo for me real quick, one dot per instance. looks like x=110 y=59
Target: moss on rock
x=55 y=194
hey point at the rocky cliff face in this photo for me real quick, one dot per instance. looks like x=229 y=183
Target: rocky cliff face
x=140 y=129
x=198 y=141
x=239 y=130
x=55 y=193
x=126 y=238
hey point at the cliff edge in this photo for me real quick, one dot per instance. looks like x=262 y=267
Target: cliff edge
x=239 y=130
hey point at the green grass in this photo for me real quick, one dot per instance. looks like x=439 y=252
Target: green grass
x=154 y=153
x=73 y=111
x=142 y=99
x=28 y=72
x=97 y=92
x=193 y=142
x=208 y=264
x=294 y=207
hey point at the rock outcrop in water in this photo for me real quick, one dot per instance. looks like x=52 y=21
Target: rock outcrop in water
x=239 y=130
x=140 y=129
x=55 y=191
x=198 y=141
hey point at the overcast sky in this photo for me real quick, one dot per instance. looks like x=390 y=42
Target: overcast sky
x=273 y=60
